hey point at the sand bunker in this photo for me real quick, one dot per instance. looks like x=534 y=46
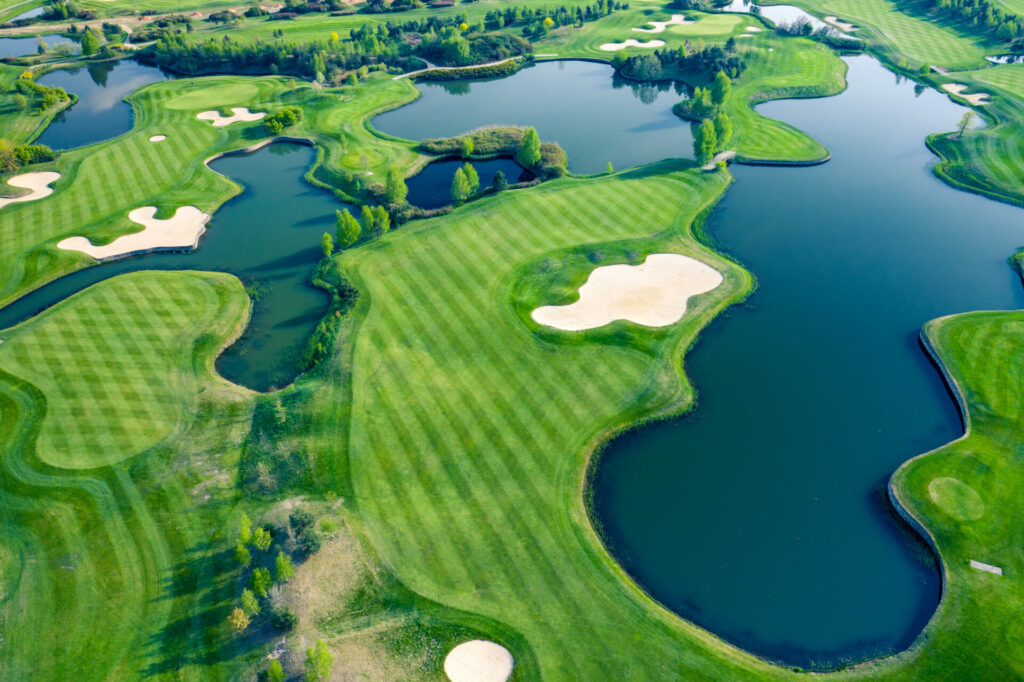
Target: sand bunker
x=37 y=183
x=841 y=25
x=988 y=568
x=479 y=661
x=238 y=114
x=653 y=294
x=958 y=90
x=614 y=47
x=182 y=231
x=158 y=138
x=754 y=29
x=660 y=26
x=745 y=35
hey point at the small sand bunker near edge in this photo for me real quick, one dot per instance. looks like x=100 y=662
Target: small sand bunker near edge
x=182 y=231
x=38 y=185
x=237 y=114
x=660 y=26
x=479 y=661
x=615 y=47
x=958 y=90
x=840 y=24
x=652 y=294
x=158 y=138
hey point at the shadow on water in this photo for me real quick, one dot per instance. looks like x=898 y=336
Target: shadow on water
x=759 y=514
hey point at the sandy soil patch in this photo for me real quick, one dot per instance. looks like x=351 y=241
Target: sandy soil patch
x=182 y=231
x=841 y=25
x=479 y=661
x=615 y=47
x=158 y=138
x=958 y=90
x=36 y=183
x=660 y=26
x=988 y=568
x=754 y=29
x=653 y=294
x=238 y=114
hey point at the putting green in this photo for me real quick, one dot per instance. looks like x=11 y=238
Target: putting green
x=213 y=96
x=956 y=498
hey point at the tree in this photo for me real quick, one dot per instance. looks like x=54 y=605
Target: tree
x=352 y=79
x=471 y=177
x=327 y=243
x=20 y=102
x=245 y=529
x=529 y=149
x=396 y=191
x=275 y=673
x=720 y=88
x=700 y=103
x=318 y=662
x=467 y=147
x=90 y=43
x=250 y=604
x=243 y=555
x=382 y=219
x=500 y=181
x=261 y=539
x=260 y=581
x=238 y=620
x=308 y=541
x=300 y=520
x=283 y=567
x=965 y=122
x=460 y=186
x=610 y=169
x=348 y=229
x=723 y=128
x=704 y=142
x=368 y=219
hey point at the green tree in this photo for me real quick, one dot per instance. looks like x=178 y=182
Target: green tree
x=723 y=128
x=20 y=102
x=382 y=219
x=250 y=604
x=610 y=169
x=720 y=88
x=965 y=122
x=396 y=191
x=467 y=147
x=260 y=581
x=460 y=186
x=261 y=539
x=352 y=79
x=529 y=149
x=348 y=229
x=275 y=673
x=243 y=555
x=704 y=142
x=245 y=529
x=368 y=219
x=90 y=43
x=327 y=243
x=318 y=662
x=700 y=103
x=283 y=567
x=500 y=181
x=471 y=177
x=238 y=620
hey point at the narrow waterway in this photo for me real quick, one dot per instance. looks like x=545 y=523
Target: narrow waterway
x=762 y=514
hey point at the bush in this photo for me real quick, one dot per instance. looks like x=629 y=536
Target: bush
x=300 y=520
x=309 y=541
x=276 y=122
x=284 y=619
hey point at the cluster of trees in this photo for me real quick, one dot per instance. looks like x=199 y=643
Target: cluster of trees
x=465 y=184
x=707 y=101
x=984 y=15
x=59 y=10
x=283 y=118
x=711 y=135
x=707 y=106
x=699 y=63
x=26 y=92
x=539 y=21
x=14 y=156
x=158 y=28
x=373 y=221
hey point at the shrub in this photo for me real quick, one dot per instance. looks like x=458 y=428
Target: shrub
x=300 y=520
x=283 y=118
x=284 y=619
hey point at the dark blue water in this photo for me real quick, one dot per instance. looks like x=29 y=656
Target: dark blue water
x=101 y=112
x=431 y=187
x=762 y=515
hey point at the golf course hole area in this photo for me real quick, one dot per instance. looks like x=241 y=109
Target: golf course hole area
x=652 y=294
x=38 y=185
x=479 y=660
x=956 y=498
x=181 y=231
x=237 y=114
x=615 y=47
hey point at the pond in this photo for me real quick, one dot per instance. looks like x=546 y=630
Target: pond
x=269 y=237
x=762 y=514
x=101 y=112
x=28 y=14
x=431 y=187
x=17 y=47
x=781 y=15
x=596 y=117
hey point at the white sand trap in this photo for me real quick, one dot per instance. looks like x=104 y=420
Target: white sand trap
x=660 y=26
x=745 y=35
x=37 y=183
x=238 y=114
x=754 y=29
x=958 y=90
x=615 y=47
x=182 y=231
x=158 y=138
x=841 y=25
x=479 y=661
x=653 y=294
x=988 y=568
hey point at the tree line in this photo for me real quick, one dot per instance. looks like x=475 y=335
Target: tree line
x=699 y=63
